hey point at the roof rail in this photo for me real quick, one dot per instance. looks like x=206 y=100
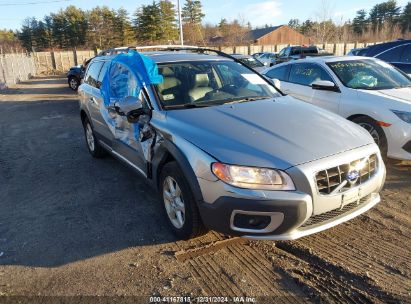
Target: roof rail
x=166 y=47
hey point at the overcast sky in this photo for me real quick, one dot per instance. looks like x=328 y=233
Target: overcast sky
x=258 y=12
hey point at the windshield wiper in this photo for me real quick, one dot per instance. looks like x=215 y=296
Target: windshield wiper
x=187 y=106
x=247 y=99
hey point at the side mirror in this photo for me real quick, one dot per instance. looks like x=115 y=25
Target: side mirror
x=131 y=107
x=273 y=81
x=324 y=85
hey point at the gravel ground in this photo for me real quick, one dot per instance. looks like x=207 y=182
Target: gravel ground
x=73 y=227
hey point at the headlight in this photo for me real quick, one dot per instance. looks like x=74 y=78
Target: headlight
x=253 y=178
x=405 y=116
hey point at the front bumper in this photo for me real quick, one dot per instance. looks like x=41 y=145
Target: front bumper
x=289 y=210
x=290 y=214
x=398 y=136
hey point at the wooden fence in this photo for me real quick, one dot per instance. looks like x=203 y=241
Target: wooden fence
x=61 y=61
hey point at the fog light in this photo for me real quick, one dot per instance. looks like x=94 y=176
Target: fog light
x=255 y=222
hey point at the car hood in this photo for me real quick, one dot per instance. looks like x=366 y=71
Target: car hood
x=400 y=97
x=278 y=133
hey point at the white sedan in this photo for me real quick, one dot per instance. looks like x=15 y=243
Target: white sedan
x=365 y=90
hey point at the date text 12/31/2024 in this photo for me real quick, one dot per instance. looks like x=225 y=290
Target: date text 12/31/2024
x=213 y=299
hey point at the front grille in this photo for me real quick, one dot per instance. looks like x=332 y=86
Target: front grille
x=327 y=216
x=329 y=179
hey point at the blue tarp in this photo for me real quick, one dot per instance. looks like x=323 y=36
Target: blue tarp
x=126 y=76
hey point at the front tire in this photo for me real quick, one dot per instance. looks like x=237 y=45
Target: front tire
x=93 y=146
x=180 y=206
x=375 y=131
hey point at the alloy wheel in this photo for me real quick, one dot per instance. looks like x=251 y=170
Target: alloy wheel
x=73 y=83
x=90 y=137
x=371 y=129
x=173 y=201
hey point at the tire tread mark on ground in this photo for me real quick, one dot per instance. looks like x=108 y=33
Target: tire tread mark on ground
x=260 y=270
x=365 y=292
x=218 y=277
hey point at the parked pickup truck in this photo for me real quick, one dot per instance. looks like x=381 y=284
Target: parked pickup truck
x=299 y=52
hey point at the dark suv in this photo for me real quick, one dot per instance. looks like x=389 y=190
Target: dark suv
x=397 y=53
x=76 y=74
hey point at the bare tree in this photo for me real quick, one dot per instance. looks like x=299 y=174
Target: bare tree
x=324 y=27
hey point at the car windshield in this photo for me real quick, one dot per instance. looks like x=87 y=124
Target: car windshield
x=368 y=74
x=251 y=62
x=209 y=83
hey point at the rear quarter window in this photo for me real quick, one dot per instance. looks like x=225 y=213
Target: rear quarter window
x=93 y=73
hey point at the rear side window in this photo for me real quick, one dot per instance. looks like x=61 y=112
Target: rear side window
x=280 y=73
x=92 y=73
x=103 y=71
x=307 y=73
x=310 y=51
x=406 y=55
x=392 y=55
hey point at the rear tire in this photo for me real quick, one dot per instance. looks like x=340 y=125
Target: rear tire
x=73 y=83
x=93 y=146
x=375 y=131
x=180 y=207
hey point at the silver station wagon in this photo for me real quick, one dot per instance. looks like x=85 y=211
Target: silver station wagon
x=226 y=150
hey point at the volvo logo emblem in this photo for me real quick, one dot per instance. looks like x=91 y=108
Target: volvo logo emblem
x=352 y=176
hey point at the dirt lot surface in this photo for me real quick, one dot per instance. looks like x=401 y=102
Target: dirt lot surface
x=71 y=225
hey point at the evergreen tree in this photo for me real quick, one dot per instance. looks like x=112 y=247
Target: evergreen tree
x=192 y=12
x=148 y=23
x=26 y=34
x=59 y=26
x=192 y=16
x=294 y=24
x=360 y=21
x=168 y=22
x=307 y=27
x=224 y=27
x=102 y=32
x=124 y=34
x=386 y=12
x=406 y=18
x=75 y=29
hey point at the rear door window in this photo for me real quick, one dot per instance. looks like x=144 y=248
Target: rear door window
x=280 y=73
x=307 y=73
x=93 y=72
x=406 y=55
x=103 y=71
x=392 y=55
